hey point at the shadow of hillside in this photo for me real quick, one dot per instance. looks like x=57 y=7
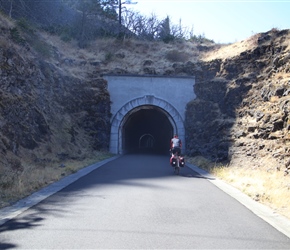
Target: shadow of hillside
x=71 y=212
x=231 y=97
x=212 y=115
x=127 y=170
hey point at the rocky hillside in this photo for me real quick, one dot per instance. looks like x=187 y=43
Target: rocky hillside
x=47 y=113
x=241 y=114
x=55 y=104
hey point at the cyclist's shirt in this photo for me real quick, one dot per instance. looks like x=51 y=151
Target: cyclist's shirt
x=175 y=142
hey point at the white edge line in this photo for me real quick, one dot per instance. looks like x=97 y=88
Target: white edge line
x=8 y=213
x=280 y=222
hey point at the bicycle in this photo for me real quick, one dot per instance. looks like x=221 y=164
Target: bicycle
x=177 y=162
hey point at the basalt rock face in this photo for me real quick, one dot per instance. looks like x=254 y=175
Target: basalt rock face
x=47 y=114
x=242 y=106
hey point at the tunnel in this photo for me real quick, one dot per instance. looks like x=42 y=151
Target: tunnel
x=147 y=129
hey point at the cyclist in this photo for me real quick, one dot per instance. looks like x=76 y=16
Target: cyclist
x=175 y=146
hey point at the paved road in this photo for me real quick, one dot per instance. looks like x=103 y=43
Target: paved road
x=135 y=202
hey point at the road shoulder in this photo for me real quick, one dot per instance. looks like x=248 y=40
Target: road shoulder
x=281 y=223
x=8 y=213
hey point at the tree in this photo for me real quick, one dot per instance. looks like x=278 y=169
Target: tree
x=13 y=3
x=169 y=32
x=91 y=11
x=118 y=4
x=165 y=31
x=95 y=7
x=109 y=8
x=121 y=7
x=87 y=8
x=144 y=27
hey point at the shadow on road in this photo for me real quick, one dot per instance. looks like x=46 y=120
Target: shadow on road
x=125 y=170
x=136 y=175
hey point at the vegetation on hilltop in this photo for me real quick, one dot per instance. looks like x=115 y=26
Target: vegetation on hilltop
x=85 y=21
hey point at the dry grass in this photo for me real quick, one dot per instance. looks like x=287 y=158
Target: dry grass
x=231 y=50
x=128 y=54
x=267 y=186
x=6 y=23
x=16 y=185
x=274 y=99
x=280 y=78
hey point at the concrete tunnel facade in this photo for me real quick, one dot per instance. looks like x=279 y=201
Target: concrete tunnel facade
x=147 y=111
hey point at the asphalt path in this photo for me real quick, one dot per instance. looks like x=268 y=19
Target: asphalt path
x=136 y=202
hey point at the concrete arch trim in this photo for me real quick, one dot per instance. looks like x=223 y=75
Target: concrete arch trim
x=119 y=119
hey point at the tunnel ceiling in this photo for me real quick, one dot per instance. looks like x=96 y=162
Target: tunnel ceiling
x=147 y=129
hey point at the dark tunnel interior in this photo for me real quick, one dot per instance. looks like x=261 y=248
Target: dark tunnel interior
x=147 y=130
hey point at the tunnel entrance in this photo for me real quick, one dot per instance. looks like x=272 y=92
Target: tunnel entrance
x=134 y=96
x=147 y=129
x=128 y=123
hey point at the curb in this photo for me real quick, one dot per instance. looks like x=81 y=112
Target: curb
x=280 y=222
x=8 y=213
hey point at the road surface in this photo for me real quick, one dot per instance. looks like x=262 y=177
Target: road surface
x=137 y=202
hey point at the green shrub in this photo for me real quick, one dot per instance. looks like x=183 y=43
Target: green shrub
x=109 y=56
x=65 y=37
x=25 y=26
x=16 y=37
x=41 y=47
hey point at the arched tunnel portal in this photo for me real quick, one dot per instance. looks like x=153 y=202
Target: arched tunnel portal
x=147 y=128
x=145 y=124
